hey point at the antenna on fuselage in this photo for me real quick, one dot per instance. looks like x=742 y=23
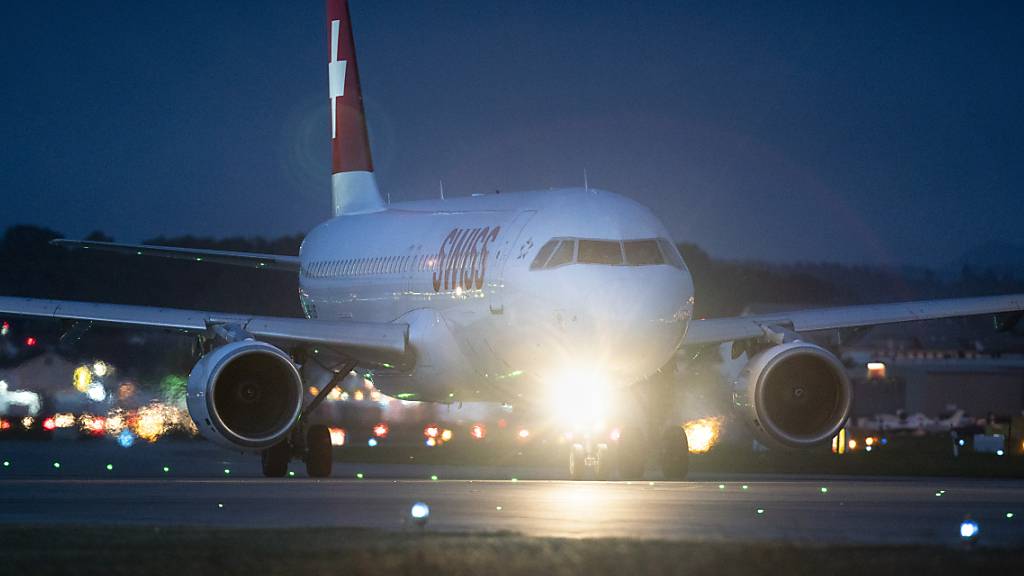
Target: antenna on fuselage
x=440 y=183
x=389 y=198
x=586 y=182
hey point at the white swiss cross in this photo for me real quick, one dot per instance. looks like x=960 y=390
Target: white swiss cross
x=336 y=75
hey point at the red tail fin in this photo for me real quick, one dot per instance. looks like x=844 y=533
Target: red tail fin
x=355 y=189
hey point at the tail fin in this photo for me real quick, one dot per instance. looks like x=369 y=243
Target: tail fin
x=354 y=187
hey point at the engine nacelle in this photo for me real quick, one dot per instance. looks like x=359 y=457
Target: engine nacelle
x=245 y=395
x=794 y=395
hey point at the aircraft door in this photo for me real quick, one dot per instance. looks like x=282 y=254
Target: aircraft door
x=509 y=248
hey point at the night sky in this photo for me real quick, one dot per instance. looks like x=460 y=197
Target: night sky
x=855 y=132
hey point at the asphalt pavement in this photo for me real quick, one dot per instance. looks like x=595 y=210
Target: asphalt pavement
x=192 y=483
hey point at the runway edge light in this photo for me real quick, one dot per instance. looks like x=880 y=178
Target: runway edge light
x=420 y=513
x=969 y=531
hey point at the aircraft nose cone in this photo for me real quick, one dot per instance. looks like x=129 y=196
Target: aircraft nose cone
x=633 y=323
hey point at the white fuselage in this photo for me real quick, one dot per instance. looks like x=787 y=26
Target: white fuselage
x=483 y=324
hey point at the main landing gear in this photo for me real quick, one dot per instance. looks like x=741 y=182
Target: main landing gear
x=310 y=443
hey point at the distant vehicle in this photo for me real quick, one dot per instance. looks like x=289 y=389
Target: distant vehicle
x=901 y=421
x=952 y=420
x=573 y=300
x=25 y=415
x=916 y=422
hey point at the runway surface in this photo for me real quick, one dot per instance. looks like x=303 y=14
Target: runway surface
x=196 y=491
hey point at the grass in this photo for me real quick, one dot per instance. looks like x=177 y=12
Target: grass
x=113 y=551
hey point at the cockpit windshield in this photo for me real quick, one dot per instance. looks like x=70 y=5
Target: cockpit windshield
x=644 y=252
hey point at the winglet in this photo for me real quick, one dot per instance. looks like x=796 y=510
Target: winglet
x=354 y=187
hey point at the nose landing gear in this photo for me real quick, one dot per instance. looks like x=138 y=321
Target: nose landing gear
x=587 y=456
x=656 y=404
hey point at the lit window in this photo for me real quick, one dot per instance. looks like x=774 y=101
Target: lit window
x=876 y=370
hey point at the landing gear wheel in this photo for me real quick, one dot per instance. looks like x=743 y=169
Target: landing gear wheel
x=632 y=454
x=675 y=453
x=577 y=462
x=318 y=452
x=275 y=460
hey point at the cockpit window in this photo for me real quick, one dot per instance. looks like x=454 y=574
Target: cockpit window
x=645 y=252
x=607 y=252
x=642 y=253
x=671 y=254
x=563 y=255
x=543 y=254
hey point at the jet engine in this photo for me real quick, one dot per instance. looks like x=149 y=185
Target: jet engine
x=794 y=395
x=245 y=395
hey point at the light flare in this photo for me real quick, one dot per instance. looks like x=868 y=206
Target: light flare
x=702 y=434
x=157 y=419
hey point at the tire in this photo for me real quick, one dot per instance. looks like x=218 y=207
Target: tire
x=632 y=454
x=275 y=460
x=319 y=452
x=675 y=454
x=577 y=462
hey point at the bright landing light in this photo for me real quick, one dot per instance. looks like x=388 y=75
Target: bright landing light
x=579 y=397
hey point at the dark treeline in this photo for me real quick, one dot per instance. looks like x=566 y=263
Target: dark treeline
x=725 y=288
x=32 y=267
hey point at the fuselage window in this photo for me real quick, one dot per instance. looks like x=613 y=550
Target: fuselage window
x=607 y=252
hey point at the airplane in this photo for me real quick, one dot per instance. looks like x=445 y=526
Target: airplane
x=575 y=298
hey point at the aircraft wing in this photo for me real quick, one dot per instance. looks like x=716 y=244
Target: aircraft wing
x=364 y=341
x=247 y=259
x=715 y=330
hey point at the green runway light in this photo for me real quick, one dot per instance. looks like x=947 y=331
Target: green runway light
x=291 y=473
x=515 y=479
x=433 y=477
x=227 y=471
x=167 y=469
x=56 y=465
x=359 y=475
x=219 y=505
x=721 y=486
x=110 y=467
x=824 y=490
x=1009 y=515
x=7 y=464
x=745 y=487
x=498 y=508
x=760 y=510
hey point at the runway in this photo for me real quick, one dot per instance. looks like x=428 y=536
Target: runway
x=869 y=512
x=196 y=490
